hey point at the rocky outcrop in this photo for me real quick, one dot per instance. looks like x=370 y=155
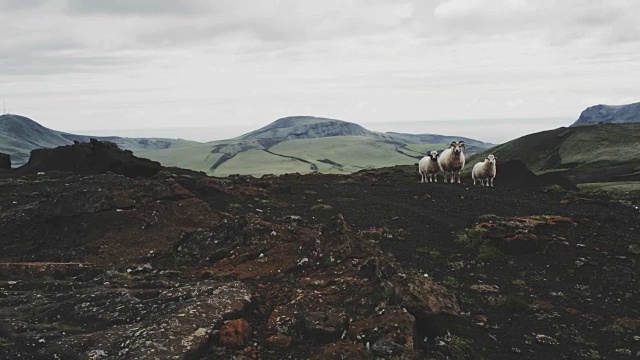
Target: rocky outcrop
x=5 y=161
x=610 y=114
x=116 y=316
x=517 y=235
x=94 y=157
x=516 y=173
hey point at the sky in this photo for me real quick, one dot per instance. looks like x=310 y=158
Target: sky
x=215 y=69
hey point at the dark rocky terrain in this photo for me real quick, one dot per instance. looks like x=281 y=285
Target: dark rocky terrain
x=629 y=113
x=104 y=264
x=5 y=161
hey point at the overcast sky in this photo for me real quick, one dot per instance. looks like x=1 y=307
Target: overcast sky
x=240 y=64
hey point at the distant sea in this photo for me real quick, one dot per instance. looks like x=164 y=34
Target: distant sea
x=488 y=130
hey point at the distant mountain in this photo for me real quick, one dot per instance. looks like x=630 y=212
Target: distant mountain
x=306 y=127
x=585 y=154
x=310 y=127
x=293 y=144
x=610 y=114
x=19 y=135
x=305 y=144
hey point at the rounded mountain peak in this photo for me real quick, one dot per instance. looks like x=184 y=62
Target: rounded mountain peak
x=306 y=127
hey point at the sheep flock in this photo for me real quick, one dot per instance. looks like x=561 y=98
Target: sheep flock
x=451 y=161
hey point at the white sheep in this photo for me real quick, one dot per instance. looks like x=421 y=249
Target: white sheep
x=452 y=160
x=428 y=167
x=485 y=171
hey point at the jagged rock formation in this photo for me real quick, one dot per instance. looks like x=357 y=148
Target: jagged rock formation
x=94 y=157
x=516 y=173
x=5 y=161
x=616 y=114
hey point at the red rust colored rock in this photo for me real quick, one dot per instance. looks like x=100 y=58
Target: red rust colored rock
x=235 y=333
x=279 y=342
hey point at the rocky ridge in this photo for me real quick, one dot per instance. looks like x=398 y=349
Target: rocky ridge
x=629 y=113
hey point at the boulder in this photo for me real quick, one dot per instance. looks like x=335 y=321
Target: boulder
x=5 y=161
x=279 y=342
x=235 y=333
x=94 y=157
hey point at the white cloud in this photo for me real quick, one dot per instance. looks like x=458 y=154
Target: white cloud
x=454 y=9
x=135 y=64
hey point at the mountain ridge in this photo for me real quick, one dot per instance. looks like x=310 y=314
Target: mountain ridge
x=329 y=145
x=19 y=135
x=629 y=113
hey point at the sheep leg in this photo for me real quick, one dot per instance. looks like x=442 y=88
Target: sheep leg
x=491 y=182
x=444 y=176
x=458 y=173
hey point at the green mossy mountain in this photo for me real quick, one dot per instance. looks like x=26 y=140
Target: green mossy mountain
x=585 y=154
x=301 y=144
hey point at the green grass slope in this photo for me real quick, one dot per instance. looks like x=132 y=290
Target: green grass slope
x=332 y=154
x=305 y=144
x=337 y=154
x=587 y=153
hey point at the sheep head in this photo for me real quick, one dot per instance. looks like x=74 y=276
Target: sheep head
x=457 y=146
x=434 y=155
x=491 y=159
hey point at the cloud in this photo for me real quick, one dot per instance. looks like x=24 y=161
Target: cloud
x=12 y=5
x=598 y=22
x=138 y=7
x=251 y=60
x=284 y=21
x=456 y=9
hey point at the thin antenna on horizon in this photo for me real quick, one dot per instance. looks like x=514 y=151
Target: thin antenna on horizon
x=4 y=107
